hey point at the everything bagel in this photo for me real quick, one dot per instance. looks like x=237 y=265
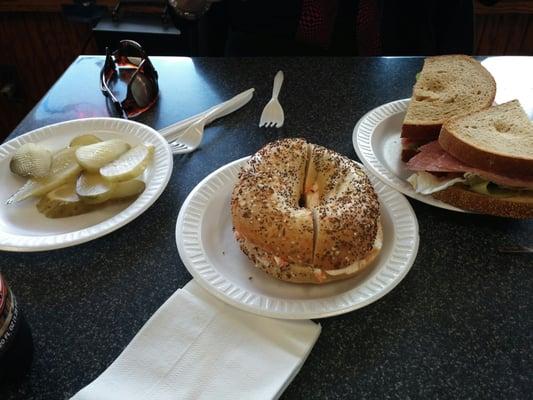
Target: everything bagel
x=306 y=214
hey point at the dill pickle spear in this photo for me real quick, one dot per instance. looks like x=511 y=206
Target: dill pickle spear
x=63 y=202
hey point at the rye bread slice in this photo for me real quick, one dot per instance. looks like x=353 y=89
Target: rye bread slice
x=520 y=207
x=498 y=139
x=447 y=86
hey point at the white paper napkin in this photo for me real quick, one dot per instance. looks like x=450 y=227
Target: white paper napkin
x=197 y=347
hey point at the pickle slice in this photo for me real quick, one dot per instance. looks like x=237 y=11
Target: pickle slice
x=31 y=160
x=84 y=140
x=95 y=156
x=92 y=188
x=128 y=189
x=64 y=168
x=129 y=165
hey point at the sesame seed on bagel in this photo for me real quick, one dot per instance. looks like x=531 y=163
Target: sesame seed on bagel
x=302 y=206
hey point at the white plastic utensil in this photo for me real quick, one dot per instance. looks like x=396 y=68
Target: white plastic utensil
x=273 y=115
x=190 y=138
x=175 y=132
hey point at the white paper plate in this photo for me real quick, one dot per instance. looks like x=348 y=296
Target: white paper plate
x=376 y=139
x=208 y=249
x=23 y=228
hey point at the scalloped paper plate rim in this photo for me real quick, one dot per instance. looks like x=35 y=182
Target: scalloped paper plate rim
x=161 y=170
x=363 y=132
x=385 y=275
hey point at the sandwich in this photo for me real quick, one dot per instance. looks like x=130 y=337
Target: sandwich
x=448 y=86
x=481 y=162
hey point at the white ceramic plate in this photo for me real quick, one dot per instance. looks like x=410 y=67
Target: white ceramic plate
x=23 y=228
x=376 y=139
x=208 y=249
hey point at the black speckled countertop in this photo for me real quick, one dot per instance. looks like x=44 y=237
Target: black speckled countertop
x=460 y=325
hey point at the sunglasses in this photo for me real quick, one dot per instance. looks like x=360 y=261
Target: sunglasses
x=142 y=87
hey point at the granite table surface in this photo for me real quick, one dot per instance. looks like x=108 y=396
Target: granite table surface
x=459 y=325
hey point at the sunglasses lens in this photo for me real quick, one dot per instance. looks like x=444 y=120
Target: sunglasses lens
x=135 y=60
x=143 y=90
x=131 y=55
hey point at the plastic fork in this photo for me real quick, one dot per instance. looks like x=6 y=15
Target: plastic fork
x=185 y=136
x=191 y=137
x=272 y=115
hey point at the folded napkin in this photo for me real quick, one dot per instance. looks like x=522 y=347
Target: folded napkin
x=197 y=347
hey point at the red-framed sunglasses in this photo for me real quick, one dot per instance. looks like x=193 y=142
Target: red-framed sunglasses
x=142 y=87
